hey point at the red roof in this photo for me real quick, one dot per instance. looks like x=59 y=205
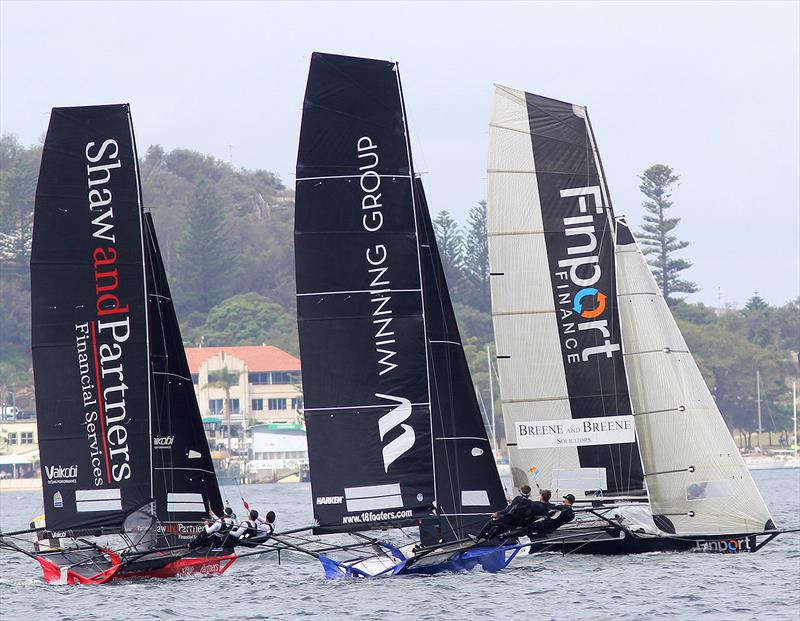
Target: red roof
x=256 y=357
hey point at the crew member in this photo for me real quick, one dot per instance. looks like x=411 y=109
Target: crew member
x=562 y=514
x=253 y=530
x=214 y=530
x=518 y=512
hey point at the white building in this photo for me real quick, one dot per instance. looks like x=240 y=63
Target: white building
x=265 y=388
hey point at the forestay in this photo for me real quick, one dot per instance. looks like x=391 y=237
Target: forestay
x=696 y=477
x=562 y=377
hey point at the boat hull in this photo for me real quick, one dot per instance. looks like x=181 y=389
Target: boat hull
x=447 y=559
x=102 y=565
x=623 y=543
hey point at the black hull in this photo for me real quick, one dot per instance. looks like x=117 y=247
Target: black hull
x=617 y=542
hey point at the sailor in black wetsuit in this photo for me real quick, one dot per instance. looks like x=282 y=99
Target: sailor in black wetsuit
x=518 y=512
x=565 y=515
x=542 y=506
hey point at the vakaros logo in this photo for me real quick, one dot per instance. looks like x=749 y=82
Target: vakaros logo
x=61 y=474
x=163 y=442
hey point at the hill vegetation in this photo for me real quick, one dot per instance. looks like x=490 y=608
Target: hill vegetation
x=226 y=236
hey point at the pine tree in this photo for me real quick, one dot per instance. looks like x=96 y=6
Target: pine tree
x=201 y=267
x=451 y=247
x=476 y=258
x=756 y=303
x=656 y=233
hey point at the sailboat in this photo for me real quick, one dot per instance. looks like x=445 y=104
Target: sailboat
x=127 y=475
x=601 y=397
x=395 y=435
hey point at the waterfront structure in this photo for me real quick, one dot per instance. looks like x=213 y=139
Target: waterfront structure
x=262 y=383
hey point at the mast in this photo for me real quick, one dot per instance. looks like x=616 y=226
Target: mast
x=758 y=401
x=794 y=415
x=491 y=396
x=89 y=324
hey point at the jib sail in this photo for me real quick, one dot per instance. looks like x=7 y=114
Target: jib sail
x=467 y=483
x=697 y=480
x=559 y=353
x=184 y=482
x=89 y=322
x=393 y=427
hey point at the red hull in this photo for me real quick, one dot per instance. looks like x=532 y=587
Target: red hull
x=204 y=566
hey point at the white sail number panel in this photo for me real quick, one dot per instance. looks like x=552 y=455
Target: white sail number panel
x=575 y=432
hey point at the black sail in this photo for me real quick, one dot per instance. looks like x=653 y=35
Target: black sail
x=89 y=324
x=185 y=485
x=467 y=482
x=359 y=301
x=394 y=430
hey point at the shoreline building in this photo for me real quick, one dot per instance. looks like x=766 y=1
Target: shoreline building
x=263 y=383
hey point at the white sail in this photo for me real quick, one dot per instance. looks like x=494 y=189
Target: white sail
x=695 y=474
x=552 y=386
x=523 y=317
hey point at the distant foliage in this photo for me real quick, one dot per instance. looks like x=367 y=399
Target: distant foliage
x=656 y=237
x=226 y=236
x=203 y=269
x=248 y=319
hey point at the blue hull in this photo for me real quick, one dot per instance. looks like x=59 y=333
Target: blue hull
x=491 y=559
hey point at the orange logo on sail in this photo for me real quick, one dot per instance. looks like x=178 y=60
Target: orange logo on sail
x=599 y=306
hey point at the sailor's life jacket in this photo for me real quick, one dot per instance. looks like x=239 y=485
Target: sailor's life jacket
x=226 y=525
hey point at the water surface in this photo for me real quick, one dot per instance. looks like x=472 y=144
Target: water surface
x=653 y=586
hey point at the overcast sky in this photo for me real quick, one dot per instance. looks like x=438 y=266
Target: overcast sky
x=710 y=89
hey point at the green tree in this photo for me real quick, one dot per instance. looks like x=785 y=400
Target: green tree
x=249 y=319
x=656 y=233
x=225 y=379
x=476 y=258
x=451 y=248
x=756 y=303
x=204 y=261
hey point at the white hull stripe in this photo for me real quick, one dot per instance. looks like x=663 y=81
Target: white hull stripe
x=474 y=498
x=185 y=502
x=90 y=500
x=186 y=507
x=373 y=497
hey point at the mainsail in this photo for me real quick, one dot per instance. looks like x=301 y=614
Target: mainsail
x=89 y=323
x=390 y=409
x=122 y=441
x=696 y=477
x=184 y=482
x=559 y=354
